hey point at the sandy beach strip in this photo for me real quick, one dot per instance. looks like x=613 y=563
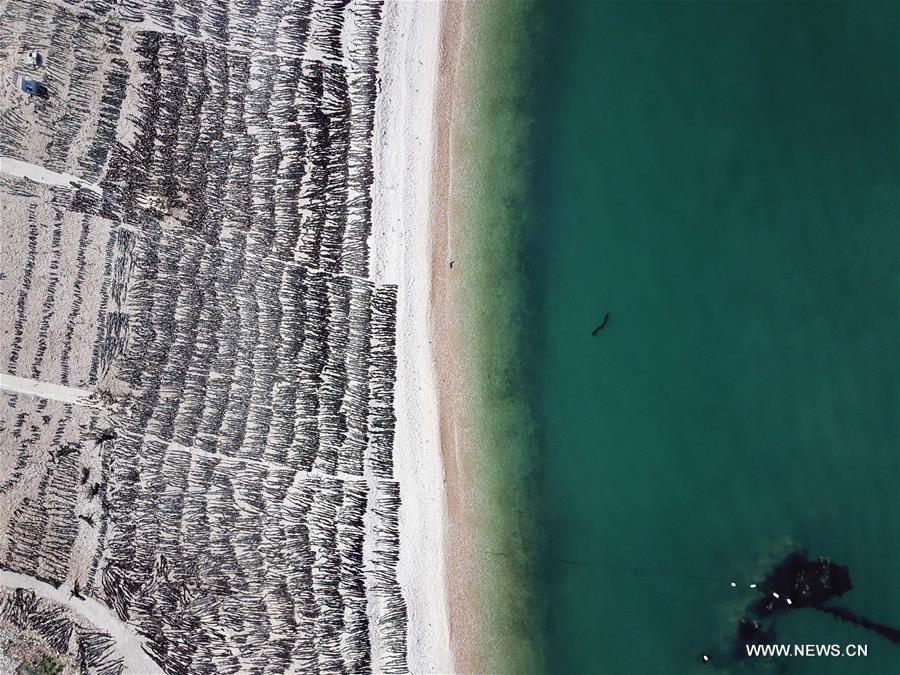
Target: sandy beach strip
x=404 y=143
x=448 y=328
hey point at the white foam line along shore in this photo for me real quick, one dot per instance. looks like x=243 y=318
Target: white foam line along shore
x=403 y=148
x=127 y=642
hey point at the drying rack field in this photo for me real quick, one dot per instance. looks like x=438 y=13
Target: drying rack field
x=196 y=415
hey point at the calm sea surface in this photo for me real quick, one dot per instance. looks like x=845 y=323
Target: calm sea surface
x=722 y=178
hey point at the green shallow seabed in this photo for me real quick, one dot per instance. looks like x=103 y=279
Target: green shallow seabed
x=493 y=133
x=723 y=179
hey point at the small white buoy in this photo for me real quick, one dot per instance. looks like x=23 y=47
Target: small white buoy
x=752 y=585
x=775 y=595
x=733 y=585
x=788 y=601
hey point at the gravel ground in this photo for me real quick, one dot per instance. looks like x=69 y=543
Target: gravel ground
x=18 y=650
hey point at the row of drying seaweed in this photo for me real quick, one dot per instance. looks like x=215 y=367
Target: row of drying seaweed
x=236 y=310
x=246 y=25
x=93 y=162
x=54 y=505
x=283 y=164
x=112 y=322
x=86 y=75
x=27 y=431
x=382 y=417
x=258 y=359
x=206 y=555
x=93 y=651
x=30 y=260
x=13 y=439
x=211 y=129
x=48 y=301
x=363 y=79
x=51 y=500
x=48 y=308
x=82 y=64
x=44 y=525
x=77 y=299
x=392 y=619
x=72 y=83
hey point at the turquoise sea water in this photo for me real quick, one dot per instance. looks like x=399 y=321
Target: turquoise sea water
x=722 y=177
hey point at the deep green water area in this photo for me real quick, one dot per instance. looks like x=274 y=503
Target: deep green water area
x=722 y=178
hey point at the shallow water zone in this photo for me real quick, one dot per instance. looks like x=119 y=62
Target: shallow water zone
x=722 y=179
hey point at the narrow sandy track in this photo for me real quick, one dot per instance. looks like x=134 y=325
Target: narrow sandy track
x=38 y=388
x=39 y=174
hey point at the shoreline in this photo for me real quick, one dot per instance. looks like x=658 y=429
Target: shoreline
x=462 y=447
x=449 y=350
x=487 y=443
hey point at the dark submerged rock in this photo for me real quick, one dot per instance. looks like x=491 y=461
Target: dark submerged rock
x=799 y=582
x=807 y=583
